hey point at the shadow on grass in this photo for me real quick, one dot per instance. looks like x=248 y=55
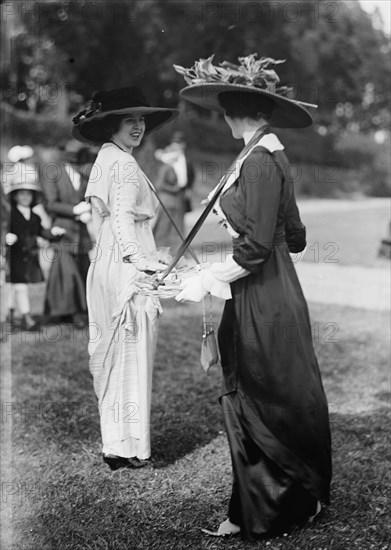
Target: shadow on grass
x=65 y=497
x=89 y=508
x=57 y=402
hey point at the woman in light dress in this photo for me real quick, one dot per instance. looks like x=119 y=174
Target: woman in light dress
x=123 y=312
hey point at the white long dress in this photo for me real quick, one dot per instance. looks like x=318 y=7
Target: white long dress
x=123 y=323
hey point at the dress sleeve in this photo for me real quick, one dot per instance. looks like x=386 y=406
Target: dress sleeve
x=260 y=183
x=295 y=233
x=125 y=191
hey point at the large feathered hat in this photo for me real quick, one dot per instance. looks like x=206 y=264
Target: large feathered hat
x=252 y=76
x=89 y=124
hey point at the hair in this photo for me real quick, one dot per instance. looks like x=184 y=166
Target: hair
x=246 y=105
x=34 y=201
x=110 y=125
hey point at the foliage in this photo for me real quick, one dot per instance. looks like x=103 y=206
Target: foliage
x=249 y=72
x=335 y=55
x=63 y=52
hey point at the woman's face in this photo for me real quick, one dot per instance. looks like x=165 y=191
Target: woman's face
x=131 y=131
x=24 y=197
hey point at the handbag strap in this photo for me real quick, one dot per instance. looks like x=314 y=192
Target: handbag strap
x=205 y=327
x=193 y=232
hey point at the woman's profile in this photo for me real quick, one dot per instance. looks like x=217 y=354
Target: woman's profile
x=273 y=403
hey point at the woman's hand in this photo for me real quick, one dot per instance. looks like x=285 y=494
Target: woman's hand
x=10 y=239
x=147 y=280
x=163 y=254
x=81 y=208
x=57 y=231
x=85 y=217
x=143 y=264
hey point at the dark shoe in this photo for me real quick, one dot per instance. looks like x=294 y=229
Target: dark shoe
x=117 y=462
x=28 y=323
x=135 y=462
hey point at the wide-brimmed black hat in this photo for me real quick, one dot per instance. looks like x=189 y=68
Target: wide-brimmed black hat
x=89 y=124
x=251 y=77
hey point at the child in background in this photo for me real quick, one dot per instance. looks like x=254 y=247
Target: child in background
x=21 y=240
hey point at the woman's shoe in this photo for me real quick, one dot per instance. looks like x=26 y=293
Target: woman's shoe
x=28 y=323
x=226 y=529
x=135 y=462
x=117 y=462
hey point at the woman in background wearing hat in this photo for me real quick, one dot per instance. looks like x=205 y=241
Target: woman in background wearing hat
x=273 y=403
x=22 y=250
x=123 y=312
x=174 y=182
x=64 y=185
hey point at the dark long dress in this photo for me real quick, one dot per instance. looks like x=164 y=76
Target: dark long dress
x=66 y=288
x=273 y=402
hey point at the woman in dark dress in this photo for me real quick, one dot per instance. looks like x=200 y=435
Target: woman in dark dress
x=273 y=403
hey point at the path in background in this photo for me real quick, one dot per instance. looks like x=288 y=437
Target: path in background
x=340 y=265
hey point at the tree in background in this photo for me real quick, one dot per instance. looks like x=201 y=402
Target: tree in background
x=337 y=58
x=60 y=53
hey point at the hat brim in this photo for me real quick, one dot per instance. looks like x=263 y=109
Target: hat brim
x=23 y=187
x=287 y=113
x=91 y=130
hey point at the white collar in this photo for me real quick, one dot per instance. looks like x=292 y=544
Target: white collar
x=24 y=210
x=271 y=143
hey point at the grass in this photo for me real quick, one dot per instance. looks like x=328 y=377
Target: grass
x=343 y=237
x=65 y=497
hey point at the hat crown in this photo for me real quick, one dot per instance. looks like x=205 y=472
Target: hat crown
x=23 y=176
x=120 y=98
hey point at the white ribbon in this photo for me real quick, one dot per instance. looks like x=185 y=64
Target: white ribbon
x=269 y=142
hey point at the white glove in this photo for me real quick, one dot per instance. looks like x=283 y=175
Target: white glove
x=215 y=280
x=193 y=290
x=197 y=287
x=57 y=231
x=297 y=256
x=82 y=207
x=10 y=239
x=85 y=217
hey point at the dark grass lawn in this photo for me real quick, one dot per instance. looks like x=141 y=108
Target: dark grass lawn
x=64 y=497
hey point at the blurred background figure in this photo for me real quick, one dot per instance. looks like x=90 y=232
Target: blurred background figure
x=174 y=184
x=25 y=154
x=385 y=245
x=21 y=240
x=64 y=186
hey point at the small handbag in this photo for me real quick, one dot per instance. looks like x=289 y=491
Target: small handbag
x=209 y=352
